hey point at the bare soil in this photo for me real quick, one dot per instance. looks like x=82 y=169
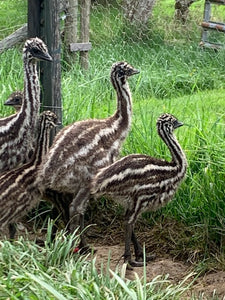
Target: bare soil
x=204 y=287
x=173 y=257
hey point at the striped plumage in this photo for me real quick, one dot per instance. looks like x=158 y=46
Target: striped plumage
x=140 y=182
x=15 y=100
x=17 y=132
x=18 y=192
x=83 y=147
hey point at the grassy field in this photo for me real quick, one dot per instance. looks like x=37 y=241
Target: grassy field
x=53 y=272
x=176 y=76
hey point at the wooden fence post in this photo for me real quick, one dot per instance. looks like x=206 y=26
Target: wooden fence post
x=51 y=72
x=71 y=30
x=43 y=21
x=84 y=30
x=34 y=17
x=84 y=45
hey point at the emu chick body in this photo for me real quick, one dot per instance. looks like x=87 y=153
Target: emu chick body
x=140 y=182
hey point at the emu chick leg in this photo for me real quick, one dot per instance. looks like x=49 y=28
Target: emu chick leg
x=138 y=249
x=77 y=209
x=127 y=253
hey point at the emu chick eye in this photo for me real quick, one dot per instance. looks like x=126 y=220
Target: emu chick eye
x=120 y=73
x=35 y=51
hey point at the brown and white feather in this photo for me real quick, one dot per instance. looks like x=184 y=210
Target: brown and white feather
x=82 y=148
x=18 y=192
x=140 y=182
x=18 y=132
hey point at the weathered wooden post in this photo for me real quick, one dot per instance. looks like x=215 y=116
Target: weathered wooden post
x=34 y=17
x=84 y=30
x=71 y=29
x=51 y=72
x=43 y=21
x=83 y=46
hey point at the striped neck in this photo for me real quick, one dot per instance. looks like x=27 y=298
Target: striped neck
x=124 y=100
x=42 y=141
x=178 y=156
x=31 y=103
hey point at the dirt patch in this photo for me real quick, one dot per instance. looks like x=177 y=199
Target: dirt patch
x=207 y=286
x=176 y=255
x=160 y=266
x=173 y=257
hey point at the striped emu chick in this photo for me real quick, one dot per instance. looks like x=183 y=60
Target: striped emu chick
x=18 y=192
x=18 y=132
x=15 y=100
x=82 y=148
x=141 y=183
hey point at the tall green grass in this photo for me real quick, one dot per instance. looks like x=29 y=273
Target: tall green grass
x=13 y=15
x=176 y=76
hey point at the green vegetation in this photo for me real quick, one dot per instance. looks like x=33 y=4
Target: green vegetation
x=176 y=76
x=13 y=15
x=28 y=271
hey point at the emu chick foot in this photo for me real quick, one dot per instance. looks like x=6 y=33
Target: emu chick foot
x=148 y=257
x=131 y=264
